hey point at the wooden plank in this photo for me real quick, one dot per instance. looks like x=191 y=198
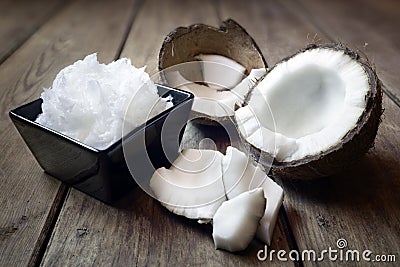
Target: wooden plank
x=143 y=44
x=360 y=205
x=29 y=198
x=359 y=23
x=385 y=8
x=14 y=16
x=144 y=233
x=270 y=26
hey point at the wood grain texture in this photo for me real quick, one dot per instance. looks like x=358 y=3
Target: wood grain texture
x=29 y=198
x=156 y=20
x=362 y=25
x=268 y=23
x=14 y=16
x=360 y=205
x=143 y=232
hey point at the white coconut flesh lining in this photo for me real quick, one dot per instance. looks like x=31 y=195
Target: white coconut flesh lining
x=305 y=105
x=218 y=72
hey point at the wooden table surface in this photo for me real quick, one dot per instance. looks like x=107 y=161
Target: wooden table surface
x=43 y=222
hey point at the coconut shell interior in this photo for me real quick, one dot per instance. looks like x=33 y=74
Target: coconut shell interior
x=230 y=40
x=348 y=150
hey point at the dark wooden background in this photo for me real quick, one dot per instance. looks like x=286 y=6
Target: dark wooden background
x=43 y=222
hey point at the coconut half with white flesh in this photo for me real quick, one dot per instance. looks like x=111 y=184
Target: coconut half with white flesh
x=315 y=113
x=219 y=59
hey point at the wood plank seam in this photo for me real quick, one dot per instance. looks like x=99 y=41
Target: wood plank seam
x=137 y=6
x=52 y=217
x=392 y=96
x=307 y=17
x=289 y=234
x=57 y=9
x=218 y=11
x=307 y=14
x=31 y=253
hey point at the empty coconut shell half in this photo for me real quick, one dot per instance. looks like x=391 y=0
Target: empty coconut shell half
x=313 y=114
x=218 y=65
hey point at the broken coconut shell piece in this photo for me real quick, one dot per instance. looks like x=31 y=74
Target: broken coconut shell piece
x=201 y=180
x=315 y=113
x=230 y=40
x=227 y=55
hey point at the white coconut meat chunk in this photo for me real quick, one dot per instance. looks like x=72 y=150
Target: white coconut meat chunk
x=237 y=173
x=207 y=100
x=235 y=222
x=305 y=105
x=192 y=186
x=274 y=194
x=243 y=88
x=210 y=101
x=220 y=72
x=241 y=175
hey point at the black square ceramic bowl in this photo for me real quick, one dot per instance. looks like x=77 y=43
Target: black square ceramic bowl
x=102 y=174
